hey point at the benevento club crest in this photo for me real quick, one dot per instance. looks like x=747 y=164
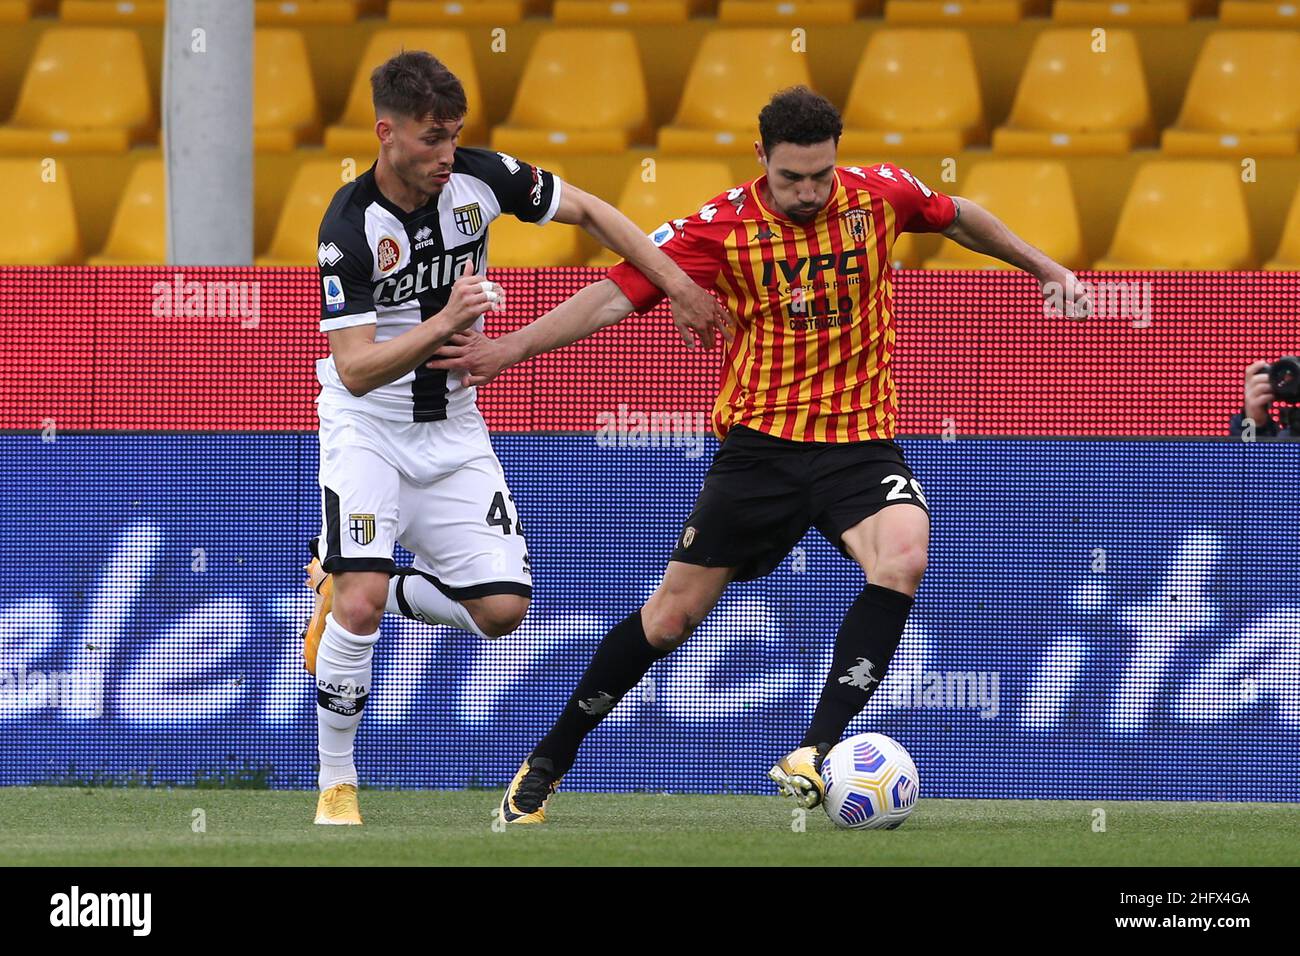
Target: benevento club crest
x=856 y=220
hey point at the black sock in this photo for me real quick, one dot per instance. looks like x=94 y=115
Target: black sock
x=621 y=660
x=863 y=649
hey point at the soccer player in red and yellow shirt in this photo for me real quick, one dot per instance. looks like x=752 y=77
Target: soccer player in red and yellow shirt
x=810 y=289
x=806 y=408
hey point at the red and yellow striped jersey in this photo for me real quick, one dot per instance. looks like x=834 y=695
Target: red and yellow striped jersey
x=814 y=303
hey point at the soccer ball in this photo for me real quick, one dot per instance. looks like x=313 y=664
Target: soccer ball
x=871 y=783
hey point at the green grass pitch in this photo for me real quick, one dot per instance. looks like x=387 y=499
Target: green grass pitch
x=58 y=826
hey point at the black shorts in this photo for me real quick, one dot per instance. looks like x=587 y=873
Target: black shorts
x=762 y=494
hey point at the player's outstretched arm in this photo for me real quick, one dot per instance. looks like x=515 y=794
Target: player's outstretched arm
x=582 y=314
x=978 y=229
x=364 y=364
x=695 y=311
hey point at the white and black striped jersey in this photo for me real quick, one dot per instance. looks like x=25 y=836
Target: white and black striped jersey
x=394 y=269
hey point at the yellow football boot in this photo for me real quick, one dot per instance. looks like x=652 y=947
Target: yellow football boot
x=798 y=775
x=323 y=586
x=525 y=798
x=338 y=806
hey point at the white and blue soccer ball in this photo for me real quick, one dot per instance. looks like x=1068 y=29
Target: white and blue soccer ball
x=871 y=783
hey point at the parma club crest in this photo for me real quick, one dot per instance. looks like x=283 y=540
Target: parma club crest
x=362 y=528
x=469 y=219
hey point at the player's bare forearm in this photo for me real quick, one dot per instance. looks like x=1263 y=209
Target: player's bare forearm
x=364 y=364
x=586 y=312
x=696 y=313
x=480 y=359
x=616 y=232
x=978 y=229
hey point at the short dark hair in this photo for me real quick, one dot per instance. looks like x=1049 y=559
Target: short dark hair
x=800 y=116
x=417 y=84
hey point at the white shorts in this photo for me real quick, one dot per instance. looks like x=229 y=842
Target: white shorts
x=434 y=487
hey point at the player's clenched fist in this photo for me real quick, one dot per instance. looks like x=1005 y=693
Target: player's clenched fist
x=1068 y=295
x=471 y=296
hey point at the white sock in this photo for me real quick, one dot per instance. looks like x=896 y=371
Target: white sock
x=424 y=602
x=342 y=688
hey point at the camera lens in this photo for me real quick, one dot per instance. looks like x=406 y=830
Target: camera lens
x=1284 y=378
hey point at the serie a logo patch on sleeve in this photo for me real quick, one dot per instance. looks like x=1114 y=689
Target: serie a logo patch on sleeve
x=334 y=300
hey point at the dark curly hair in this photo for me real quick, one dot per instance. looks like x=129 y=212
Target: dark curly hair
x=416 y=84
x=799 y=116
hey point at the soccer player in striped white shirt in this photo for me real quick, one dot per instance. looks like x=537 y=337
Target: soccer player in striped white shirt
x=404 y=454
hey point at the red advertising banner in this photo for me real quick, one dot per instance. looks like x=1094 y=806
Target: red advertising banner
x=198 y=349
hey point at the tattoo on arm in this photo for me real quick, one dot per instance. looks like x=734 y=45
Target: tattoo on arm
x=956 y=216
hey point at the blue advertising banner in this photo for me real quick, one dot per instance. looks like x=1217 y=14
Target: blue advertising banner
x=1100 y=619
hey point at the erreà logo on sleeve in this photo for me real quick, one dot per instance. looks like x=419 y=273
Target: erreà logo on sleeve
x=77 y=909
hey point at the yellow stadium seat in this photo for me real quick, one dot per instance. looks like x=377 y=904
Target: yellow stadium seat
x=619 y=12
x=1259 y=13
x=138 y=235
x=796 y=12
x=515 y=243
x=446 y=13
x=680 y=187
x=40 y=222
x=1138 y=12
x=963 y=12
x=914 y=91
x=1243 y=98
x=304 y=12
x=1074 y=100
x=355 y=132
x=733 y=75
x=313 y=186
x=1183 y=215
x=16 y=11
x=1034 y=198
x=107 y=12
x=85 y=90
x=1287 y=256
x=582 y=92
x=285 y=113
